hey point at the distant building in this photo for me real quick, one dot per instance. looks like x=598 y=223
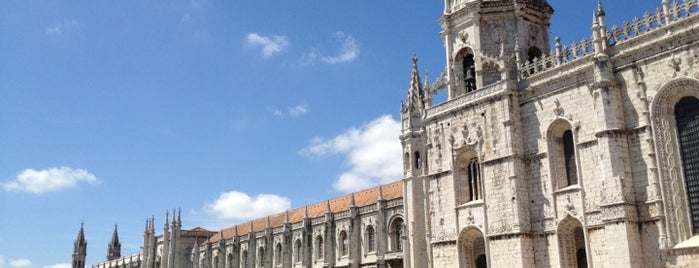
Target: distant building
x=585 y=156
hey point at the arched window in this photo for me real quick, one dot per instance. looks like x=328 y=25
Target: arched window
x=687 y=118
x=370 y=239
x=533 y=53
x=319 y=248
x=244 y=259
x=474 y=179
x=469 y=73
x=344 y=244
x=397 y=235
x=261 y=257
x=417 y=160
x=229 y=260
x=563 y=169
x=569 y=157
x=406 y=163
x=469 y=182
x=298 y=247
x=278 y=254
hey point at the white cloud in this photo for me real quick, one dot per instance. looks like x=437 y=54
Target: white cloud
x=294 y=111
x=297 y=110
x=20 y=263
x=241 y=206
x=62 y=27
x=58 y=265
x=373 y=153
x=48 y=180
x=348 y=51
x=271 y=45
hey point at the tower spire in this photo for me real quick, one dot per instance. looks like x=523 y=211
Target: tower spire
x=79 y=249
x=416 y=94
x=114 y=246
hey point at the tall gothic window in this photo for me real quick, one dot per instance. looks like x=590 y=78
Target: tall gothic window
x=417 y=160
x=468 y=179
x=245 y=259
x=261 y=257
x=564 y=171
x=474 y=180
x=569 y=157
x=344 y=244
x=319 y=248
x=370 y=239
x=278 y=255
x=229 y=260
x=299 y=250
x=397 y=235
x=687 y=116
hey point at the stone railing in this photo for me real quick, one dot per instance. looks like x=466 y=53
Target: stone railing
x=668 y=14
x=342 y=214
x=394 y=203
x=561 y=55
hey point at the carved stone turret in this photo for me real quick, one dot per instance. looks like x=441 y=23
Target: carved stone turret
x=114 y=246
x=79 y=249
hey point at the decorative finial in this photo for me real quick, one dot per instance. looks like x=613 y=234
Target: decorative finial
x=600 y=9
x=381 y=193
x=286 y=216
x=327 y=207
x=267 y=223
x=305 y=213
x=352 y=203
x=414 y=58
x=179 y=216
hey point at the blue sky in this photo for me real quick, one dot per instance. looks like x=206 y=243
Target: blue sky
x=113 y=111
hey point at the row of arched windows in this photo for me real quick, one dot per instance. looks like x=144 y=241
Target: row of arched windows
x=396 y=237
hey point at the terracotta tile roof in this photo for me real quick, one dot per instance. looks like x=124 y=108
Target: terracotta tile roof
x=362 y=198
x=199 y=229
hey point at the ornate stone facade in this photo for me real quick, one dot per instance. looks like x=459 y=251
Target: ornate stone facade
x=577 y=157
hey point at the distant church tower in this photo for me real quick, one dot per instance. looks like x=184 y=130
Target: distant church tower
x=114 y=247
x=79 y=249
x=472 y=29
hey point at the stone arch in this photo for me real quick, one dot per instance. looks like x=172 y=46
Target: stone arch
x=396 y=232
x=468 y=177
x=465 y=69
x=562 y=154
x=572 y=247
x=671 y=178
x=472 y=248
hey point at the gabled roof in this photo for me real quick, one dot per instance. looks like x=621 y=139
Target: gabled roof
x=362 y=198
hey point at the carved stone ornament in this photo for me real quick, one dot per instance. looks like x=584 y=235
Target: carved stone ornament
x=675 y=65
x=469 y=218
x=463 y=36
x=558 y=111
x=570 y=208
x=497 y=34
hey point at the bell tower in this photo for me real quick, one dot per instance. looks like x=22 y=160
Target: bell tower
x=474 y=29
